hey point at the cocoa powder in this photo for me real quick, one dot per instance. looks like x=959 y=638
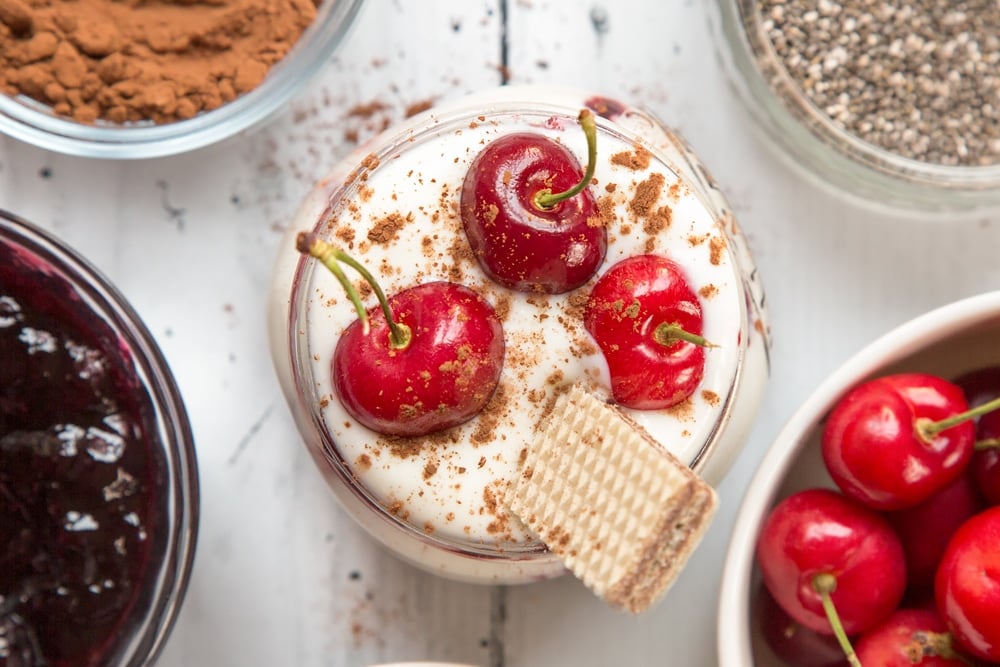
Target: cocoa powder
x=143 y=60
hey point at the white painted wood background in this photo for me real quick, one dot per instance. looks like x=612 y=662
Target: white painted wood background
x=282 y=577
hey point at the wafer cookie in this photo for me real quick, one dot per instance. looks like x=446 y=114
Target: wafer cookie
x=622 y=513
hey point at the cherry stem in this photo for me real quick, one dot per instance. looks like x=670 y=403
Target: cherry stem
x=544 y=199
x=665 y=334
x=928 y=644
x=986 y=443
x=825 y=584
x=331 y=256
x=928 y=429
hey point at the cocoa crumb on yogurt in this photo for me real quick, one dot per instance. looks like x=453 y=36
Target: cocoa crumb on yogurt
x=708 y=291
x=717 y=248
x=647 y=193
x=658 y=221
x=386 y=230
x=637 y=160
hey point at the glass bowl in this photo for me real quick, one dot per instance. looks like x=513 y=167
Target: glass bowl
x=949 y=341
x=34 y=123
x=438 y=500
x=110 y=480
x=828 y=154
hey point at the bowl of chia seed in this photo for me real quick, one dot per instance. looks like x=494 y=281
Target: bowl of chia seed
x=897 y=104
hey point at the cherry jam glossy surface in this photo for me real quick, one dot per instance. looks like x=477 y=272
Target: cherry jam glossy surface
x=80 y=511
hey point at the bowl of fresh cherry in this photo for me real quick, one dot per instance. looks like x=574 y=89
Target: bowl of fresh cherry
x=870 y=534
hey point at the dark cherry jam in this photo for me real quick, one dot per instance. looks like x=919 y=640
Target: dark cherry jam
x=80 y=514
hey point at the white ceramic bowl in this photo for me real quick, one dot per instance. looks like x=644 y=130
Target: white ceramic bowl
x=949 y=341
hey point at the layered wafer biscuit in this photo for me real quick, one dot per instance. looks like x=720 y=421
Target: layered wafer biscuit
x=621 y=512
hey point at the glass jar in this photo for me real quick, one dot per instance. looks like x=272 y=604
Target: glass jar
x=826 y=153
x=98 y=465
x=393 y=204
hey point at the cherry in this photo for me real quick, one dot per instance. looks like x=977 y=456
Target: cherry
x=909 y=637
x=833 y=565
x=926 y=528
x=986 y=458
x=428 y=359
x=524 y=236
x=647 y=321
x=893 y=441
x=980 y=385
x=605 y=107
x=795 y=644
x=967 y=585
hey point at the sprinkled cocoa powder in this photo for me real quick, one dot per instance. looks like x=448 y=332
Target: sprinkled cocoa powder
x=637 y=160
x=717 y=249
x=346 y=236
x=631 y=203
x=647 y=193
x=708 y=291
x=386 y=230
x=658 y=221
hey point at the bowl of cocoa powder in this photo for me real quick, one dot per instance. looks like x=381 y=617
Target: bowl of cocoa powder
x=146 y=78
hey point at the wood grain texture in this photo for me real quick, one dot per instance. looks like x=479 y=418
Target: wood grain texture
x=282 y=576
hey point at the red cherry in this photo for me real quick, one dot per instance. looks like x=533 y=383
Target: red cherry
x=829 y=561
x=926 y=528
x=909 y=637
x=986 y=458
x=524 y=236
x=428 y=359
x=967 y=586
x=647 y=321
x=980 y=385
x=797 y=646
x=887 y=444
x=605 y=107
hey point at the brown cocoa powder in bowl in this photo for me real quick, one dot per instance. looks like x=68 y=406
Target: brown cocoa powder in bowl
x=128 y=61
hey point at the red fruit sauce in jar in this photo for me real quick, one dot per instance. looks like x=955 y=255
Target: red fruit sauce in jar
x=81 y=513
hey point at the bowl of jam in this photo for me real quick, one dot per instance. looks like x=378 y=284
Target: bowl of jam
x=98 y=477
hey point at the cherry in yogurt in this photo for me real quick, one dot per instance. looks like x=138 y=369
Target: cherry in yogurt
x=80 y=512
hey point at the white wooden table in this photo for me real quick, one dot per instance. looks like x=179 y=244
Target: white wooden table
x=282 y=576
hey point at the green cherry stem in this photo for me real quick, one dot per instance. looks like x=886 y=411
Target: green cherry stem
x=667 y=333
x=545 y=199
x=825 y=584
x=986 y=443
x=331 y=256
x=928 y=644
x=928 y=429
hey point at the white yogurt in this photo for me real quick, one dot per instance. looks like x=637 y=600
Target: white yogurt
x=394 y=206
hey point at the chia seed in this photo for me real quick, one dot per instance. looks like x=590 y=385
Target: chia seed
x=920 y=80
